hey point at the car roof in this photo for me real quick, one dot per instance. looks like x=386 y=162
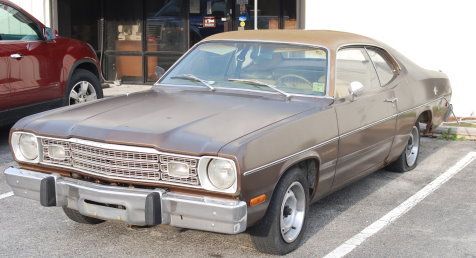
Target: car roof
x=325 y=38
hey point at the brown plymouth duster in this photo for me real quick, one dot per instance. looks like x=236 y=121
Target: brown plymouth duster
x=246 y=130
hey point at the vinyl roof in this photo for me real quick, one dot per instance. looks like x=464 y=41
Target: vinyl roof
x=325 y=38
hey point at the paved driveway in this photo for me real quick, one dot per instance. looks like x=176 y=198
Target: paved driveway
x=442 y=225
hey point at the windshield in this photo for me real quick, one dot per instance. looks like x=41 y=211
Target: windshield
x=273 y=67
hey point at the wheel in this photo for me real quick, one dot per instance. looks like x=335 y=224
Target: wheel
x=84 y=86
x=409 y=158
x=281 y=229
x=75 y=216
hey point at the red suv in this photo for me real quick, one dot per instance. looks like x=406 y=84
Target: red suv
x=39 y=70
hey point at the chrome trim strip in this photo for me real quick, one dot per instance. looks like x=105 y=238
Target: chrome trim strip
x=328 y=164
x=249 y=172
x=422 y=105
x=367 y=126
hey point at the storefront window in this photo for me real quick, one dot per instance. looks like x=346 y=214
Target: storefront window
x=272 y=15
x=123 y=68
x=290 y=15
x=166 y=34
x=123 y=25
x=79 y=20
x=133 y=37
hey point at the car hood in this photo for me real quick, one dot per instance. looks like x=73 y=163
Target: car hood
x=181 y=121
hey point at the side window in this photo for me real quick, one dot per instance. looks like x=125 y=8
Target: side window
x=14 y=25
x=384 y=68
x=353 y=64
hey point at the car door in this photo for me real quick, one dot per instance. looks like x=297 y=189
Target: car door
x=29 y=58
x=366 y=121
x=5 y=102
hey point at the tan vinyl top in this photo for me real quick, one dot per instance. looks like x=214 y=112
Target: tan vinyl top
x=325 y=38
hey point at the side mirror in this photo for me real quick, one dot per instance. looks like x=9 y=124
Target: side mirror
x=159 y=71
x=356 y=89
x=49 y=34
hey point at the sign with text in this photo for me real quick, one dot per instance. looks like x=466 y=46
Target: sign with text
x=209 y=22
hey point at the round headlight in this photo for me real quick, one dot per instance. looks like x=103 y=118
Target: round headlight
x=222 y=173
x=28 y=146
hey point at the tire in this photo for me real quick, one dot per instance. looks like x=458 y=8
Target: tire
x=92 y=89
x=75 y=216
x=408 y=160
x=266 y=235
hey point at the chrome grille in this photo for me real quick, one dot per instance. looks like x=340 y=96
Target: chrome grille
x=47 y=143
x=114 y=161
x=192 y=164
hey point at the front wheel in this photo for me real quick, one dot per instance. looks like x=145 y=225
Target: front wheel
x=83 y=86
x=281 y=230
x=409 y=158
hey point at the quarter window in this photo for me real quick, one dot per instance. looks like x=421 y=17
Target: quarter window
x=14 y=25
x=353 y=64
x=384 y=69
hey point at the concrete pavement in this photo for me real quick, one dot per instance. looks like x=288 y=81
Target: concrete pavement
x=443 y=225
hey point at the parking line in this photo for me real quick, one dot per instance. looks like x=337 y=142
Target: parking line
x=401 y=209
x=5 y=195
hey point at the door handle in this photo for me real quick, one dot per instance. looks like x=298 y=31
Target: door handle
x=393 y=100
x=16 y=56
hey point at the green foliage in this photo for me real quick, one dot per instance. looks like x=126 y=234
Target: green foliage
x=449 y=135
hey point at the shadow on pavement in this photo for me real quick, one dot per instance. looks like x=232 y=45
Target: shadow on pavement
x=329 y=208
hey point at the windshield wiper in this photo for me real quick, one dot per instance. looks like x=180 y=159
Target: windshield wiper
x=194 y=78
x=260 y=83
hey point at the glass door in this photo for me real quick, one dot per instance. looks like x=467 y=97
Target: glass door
x=272 y=15
x=207 y=17
x=165 y=34
x=123 y=40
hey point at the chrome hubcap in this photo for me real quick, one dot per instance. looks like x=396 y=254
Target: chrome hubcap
x=81 y=92
x=413 y=147
x=293 y=210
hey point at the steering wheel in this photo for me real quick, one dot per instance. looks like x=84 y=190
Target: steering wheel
x=292 y=80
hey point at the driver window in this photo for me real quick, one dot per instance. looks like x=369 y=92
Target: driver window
x=353 y=64
x=14 y=25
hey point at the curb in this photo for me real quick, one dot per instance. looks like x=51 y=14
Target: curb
x=467 y=132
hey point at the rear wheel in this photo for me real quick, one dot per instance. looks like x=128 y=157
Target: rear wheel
x=75 y=216
x=281 y=230
x=409 y=158
x=83 y=86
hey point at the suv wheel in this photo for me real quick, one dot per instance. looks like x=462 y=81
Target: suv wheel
x=84 y=86
x=281 y=230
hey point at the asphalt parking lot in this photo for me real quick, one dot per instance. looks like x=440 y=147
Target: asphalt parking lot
x=441 y=225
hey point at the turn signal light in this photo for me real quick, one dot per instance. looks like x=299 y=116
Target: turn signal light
x=258 y=200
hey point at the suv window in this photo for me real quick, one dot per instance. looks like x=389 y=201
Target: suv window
x=353 y=64
x=384 y=69
x=14 y=25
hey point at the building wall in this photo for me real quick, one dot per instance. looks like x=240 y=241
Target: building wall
x=40 y=9
x=436 y=34
x=433 y=33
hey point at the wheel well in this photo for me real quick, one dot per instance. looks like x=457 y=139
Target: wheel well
x=89 y=67
x=311 y=167
x=426 y=119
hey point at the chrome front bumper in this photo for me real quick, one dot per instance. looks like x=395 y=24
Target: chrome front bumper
x=131 y=205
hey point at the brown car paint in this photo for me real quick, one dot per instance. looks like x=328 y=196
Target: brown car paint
x=263 y=133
